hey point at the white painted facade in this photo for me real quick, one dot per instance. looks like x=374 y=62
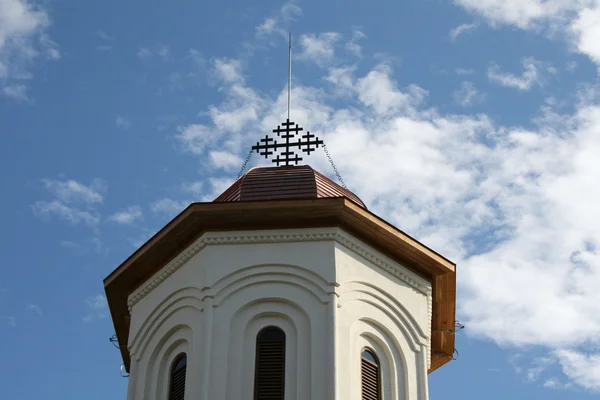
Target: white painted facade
x=330 y=293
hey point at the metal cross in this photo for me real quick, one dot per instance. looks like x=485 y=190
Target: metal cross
x=290 y=130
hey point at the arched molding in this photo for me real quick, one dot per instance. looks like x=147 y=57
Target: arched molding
x=392 y=361
x=156 y=367
x=186 y=309
x=368 y=293
x=375 y=296
x=372 y=324
x=304 y=235
x=188 y=291
x=374 y=305
x=185 y=297
x=285 y=274
x=247 y=322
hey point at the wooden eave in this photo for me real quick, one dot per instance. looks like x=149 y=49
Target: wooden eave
x=199 y=218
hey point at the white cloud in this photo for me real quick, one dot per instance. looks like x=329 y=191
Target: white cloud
x=35 y=308
x=158 y=49
x=98 y=245
x=240 y=111
x=319 y=49
x=122 y=122
x=461 y=29
x=267 y=27
x=139 y=240
x=228 y=70
x=290 y=11
x=98 y=308
x=571 y=66
x=464 y=71
x=169 y=207
x=73 y=201
x=16 y=91
x=144 y=52
x=195 y=138
x=512 y=206
x=342 y=79
x=127 y=216
x=71 y=191
x=225 y=160
x=539 y=365
x=97 y=302
x=468 y=95
x=94 y=244
x=44 y=209
x=379 y=91
x=533 y=75
x=217 y=186
x=195 y=188
x=583 y=369
x=69 y=244
x=352 y=46
x=273 y=26
x=50 y=47
x=586 y=28
x=103 y=35
x=524 y=14
x=578 y=20
x=196 y=57
x=552 y=383
x=234 y=122
x=23 y=38
x=12 y=322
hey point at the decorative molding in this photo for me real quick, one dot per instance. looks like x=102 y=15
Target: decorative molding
x=370 y=255
x=307 y=235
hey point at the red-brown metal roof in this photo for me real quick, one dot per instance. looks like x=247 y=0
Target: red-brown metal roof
x=282 y=183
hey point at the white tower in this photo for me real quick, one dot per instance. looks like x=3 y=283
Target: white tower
x=284 y=287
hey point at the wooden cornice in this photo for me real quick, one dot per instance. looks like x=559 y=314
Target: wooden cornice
x=341 y=212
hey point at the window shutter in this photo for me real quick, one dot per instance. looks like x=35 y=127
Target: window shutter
x=369 y=372
x=269 y=374
x=177 y=381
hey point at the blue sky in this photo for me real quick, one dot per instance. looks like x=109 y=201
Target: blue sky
x=473 y=125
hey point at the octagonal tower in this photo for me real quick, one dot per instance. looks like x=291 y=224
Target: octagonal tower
x=284 y=287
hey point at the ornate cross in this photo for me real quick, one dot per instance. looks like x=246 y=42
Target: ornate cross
x=268 y=146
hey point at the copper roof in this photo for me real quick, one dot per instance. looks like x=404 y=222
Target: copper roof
x=283 y=183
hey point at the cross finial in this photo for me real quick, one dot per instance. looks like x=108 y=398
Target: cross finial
x=287 y=130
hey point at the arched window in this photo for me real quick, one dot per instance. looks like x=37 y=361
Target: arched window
x=370 y=376
x=177 y=378
x=269 y=373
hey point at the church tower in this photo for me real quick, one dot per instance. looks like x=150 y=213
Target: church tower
x=284 y=287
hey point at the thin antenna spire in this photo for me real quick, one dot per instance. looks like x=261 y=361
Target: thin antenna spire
x=290 y=77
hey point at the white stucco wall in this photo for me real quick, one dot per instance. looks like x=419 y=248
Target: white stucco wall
x=331 y=294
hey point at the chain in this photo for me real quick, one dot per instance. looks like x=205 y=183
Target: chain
x=337 y=173
x=245 y=164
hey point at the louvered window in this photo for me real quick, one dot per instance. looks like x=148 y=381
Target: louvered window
x=369 y=375
x=269 y=373
x=177 y=379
